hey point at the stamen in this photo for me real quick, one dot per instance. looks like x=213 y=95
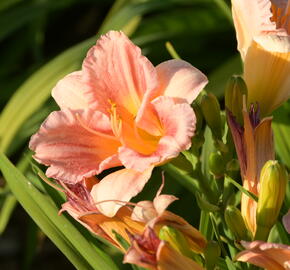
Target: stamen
x=50 y=183
x=116 y=122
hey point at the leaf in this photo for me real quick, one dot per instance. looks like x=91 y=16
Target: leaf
x=242 y=189
x=219 y=77
x=65 y=236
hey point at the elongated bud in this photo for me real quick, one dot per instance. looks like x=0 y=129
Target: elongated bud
x=273 y=181
x=216 y=165
x=204 y=204
x=176 y=239
x=211 y=111
x=236 y=223
x=235 y=90
x=211 y=254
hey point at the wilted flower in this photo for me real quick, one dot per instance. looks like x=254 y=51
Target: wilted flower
x=147 y=250
x=119 y=110
x=263 y=34
x=269 y=256
x=254 y=145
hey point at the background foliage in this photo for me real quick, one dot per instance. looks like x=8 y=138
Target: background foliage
x=40 y=42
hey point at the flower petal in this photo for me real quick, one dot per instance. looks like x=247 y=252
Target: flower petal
x=271 y=256
x=75 y=144
x=68 y=92
x=266 y=74
x=161 y=202
x=251 y=18
x=178 y=122
x=117 y=73
x=170 y=259
x=119 y=186
x=180 y=79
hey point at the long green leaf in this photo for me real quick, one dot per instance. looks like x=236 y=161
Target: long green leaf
x=66 y=237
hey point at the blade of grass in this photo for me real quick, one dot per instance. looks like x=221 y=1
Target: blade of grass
x=57 y=228
x=239 y=187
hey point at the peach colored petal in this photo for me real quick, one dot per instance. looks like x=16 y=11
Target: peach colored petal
x=286 y=221
x=177 y=79
x=180 y=79
x=267 y=77
x=170 y=259
x=251 y=18
x=144 y=212
x=117 y=73
x=270 y=256
x=178 y=122
x=121 y=185
x=75 y=144
x=69 y=92
x=161 y=202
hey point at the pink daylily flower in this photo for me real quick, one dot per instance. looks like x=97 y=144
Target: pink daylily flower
x=269 y=256
x=119 y=110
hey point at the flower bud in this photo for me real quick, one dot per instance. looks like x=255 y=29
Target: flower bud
x=236 y=224
x=273 y=181
x=176 y=239
x=211 y=111
x=216 y=165
x=235 y=90
x=211 y=254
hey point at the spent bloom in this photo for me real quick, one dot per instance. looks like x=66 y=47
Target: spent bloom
x=147 y=250
x=119 y=110
x=255 y=146
x=263 y=34
x=269 y=256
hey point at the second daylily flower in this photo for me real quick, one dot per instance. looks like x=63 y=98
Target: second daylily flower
x=119 y=110
x=263 y=34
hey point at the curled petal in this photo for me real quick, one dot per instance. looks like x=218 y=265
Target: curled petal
x=118 y=188
x=144 y=212
x=75 y=144
x=178 y=122
x=251 y=18
x=117 y=73
x=179 y=79
x=69 y=92
x=267 y=255
x=161 y=202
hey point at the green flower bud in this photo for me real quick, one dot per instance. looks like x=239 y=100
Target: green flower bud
x=210 y=108
x=211 y=254
x=176 y=239
x=216 y=164
x=235 y=90
x=236 y=224
x=273 y=181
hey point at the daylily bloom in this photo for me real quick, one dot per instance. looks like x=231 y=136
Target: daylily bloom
x=254 y=145
x=147 y=250
x=81 y=207
x=119 y=110
x=84 y=207
x=263 y=34
x=269 y=256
